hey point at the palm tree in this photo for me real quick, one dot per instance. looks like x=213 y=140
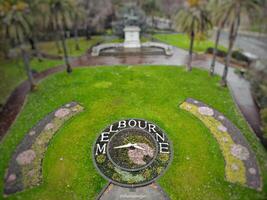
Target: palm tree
x=77 y=16
x=59 y=12
x=193 y=19
x=16 y=23
x=219 y=17
x=235 y=8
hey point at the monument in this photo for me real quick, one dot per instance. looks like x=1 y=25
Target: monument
x=132 y=37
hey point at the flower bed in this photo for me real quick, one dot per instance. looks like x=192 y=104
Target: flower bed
x=240 y=162
x=25 y=167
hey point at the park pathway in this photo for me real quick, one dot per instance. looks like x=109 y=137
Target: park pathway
x=240 y=88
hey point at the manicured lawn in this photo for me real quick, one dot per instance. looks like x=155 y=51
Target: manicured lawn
x=109 y=94
x=183 y=41
x=12 y=73
x=51 y=48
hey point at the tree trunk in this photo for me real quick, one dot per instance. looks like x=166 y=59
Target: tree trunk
x=228 y=56
x=76 y=38
x=212 y=66
x=27 y=67
x=59 y=51
x=232 y=37
x=35 y=49
x=192 y=38
x=88 y=34
x=66 y=56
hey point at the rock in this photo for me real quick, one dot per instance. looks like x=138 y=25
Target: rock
x=62 y=112
x=31 y=133
x=252 y=171
x=49 y=126
x=221 y=117
x=205 y=111
x=222 y=128
x=234 y=167
x=188 y=107
x=26 y=157
x=240 y=152
x=68 y=105
x=11 y=178
x=74 y=109
x=225 y=139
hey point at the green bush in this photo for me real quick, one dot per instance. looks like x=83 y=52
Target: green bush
x=240 y=56
x=220 y=53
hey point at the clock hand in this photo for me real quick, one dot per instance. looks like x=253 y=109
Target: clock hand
x=124 y=146
x=138 y=147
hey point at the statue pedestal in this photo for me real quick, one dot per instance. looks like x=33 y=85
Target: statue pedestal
x=132 y=37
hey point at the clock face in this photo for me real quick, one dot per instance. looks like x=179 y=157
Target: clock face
x=132 y=149
x=132 y=152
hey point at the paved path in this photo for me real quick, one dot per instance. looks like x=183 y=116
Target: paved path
x=252 y=44
x=240 y=87
x=149 y=192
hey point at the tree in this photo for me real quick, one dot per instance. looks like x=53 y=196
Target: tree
x=235 y=8
x=219 y=18
x=151 y=8
x=193 y=19
x=129 y=15
x=17 y=26
x=59 y=12
x=77 y=16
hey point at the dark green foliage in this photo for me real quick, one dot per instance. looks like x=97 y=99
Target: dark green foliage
x=220 y=53
x=240 y=56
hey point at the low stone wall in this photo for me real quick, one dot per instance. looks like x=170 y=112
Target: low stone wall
x=168 y=50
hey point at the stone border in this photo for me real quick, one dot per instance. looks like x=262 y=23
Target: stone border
x=241 y=165
x=25 y=166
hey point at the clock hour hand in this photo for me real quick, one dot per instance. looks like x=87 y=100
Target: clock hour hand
x=138 y=147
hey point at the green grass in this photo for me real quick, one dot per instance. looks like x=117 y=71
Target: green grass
x=109 y=94
x=51 y=48
x=12 y=73
x=183 y=41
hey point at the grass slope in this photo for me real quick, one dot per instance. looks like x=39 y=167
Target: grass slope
x=183 y=41
x=12 y=73
x=113 y=93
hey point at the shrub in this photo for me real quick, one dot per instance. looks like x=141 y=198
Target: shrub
x=240 y=56
x=220 y=53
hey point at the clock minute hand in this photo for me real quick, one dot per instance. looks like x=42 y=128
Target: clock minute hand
x=124 y=146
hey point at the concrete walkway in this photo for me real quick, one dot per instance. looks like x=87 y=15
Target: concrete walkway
x=240 y=87
x=149 y=192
